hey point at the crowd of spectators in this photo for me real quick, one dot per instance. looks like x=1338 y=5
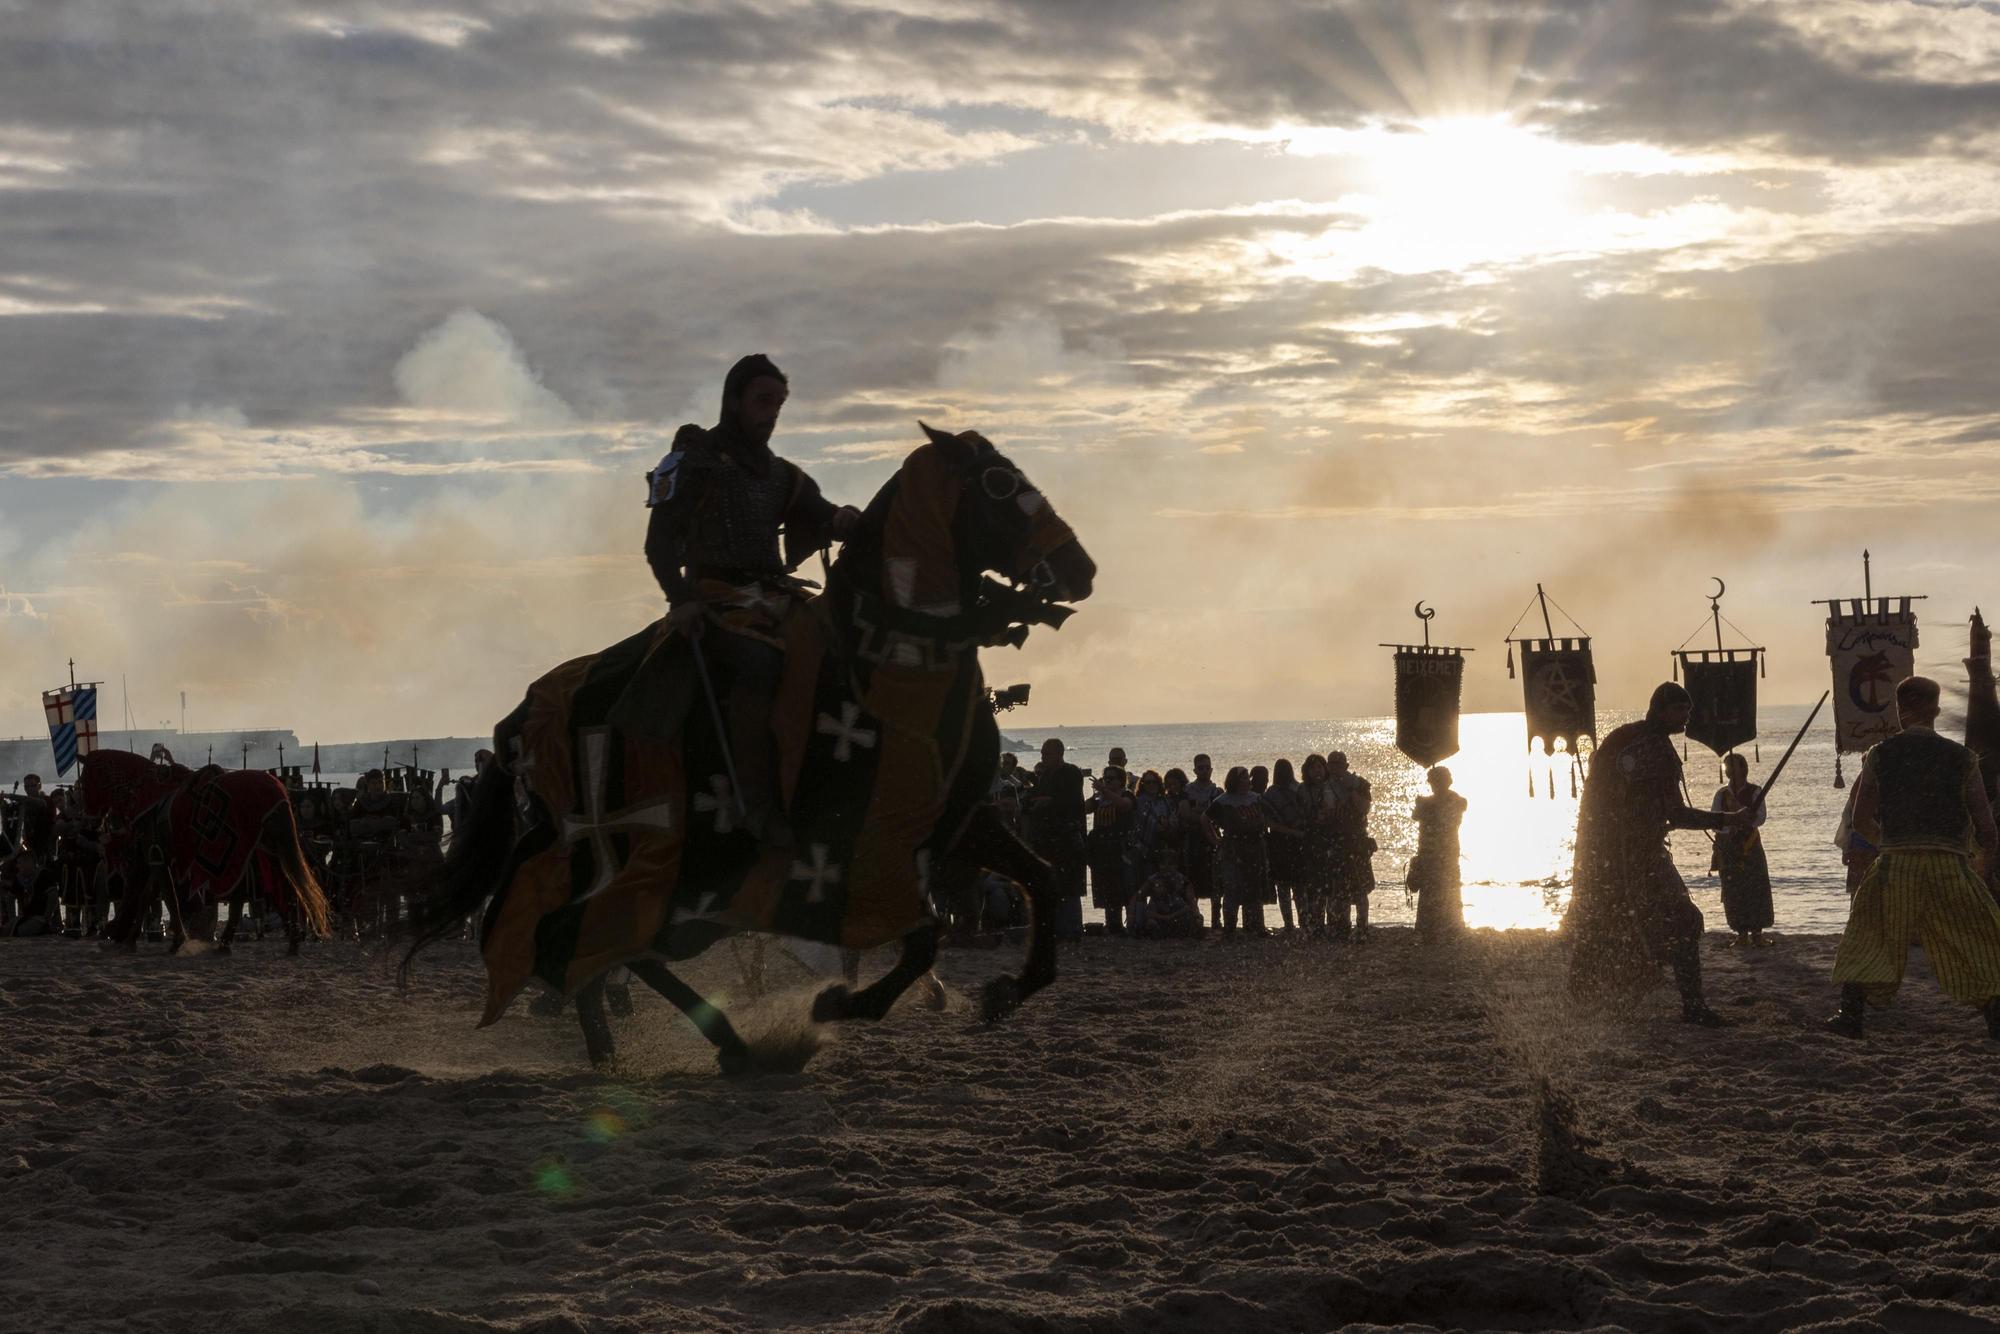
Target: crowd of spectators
x=1168 y=855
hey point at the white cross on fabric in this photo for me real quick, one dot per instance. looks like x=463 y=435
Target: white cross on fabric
x=722 y=805
x=818 y=874
x=845 y=732
x=597 y=824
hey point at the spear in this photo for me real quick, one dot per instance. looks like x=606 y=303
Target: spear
x=1772 y=781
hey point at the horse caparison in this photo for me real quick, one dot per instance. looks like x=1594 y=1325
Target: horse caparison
x=224 y=824
x=917 y=564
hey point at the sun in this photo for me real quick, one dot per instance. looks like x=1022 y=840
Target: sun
x=1468 y=192
x=1452 y=192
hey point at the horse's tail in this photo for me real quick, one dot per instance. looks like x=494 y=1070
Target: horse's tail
x=296 y=877
x=480 y=843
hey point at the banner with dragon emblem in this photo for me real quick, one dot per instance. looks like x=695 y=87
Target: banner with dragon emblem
x=1871 y=644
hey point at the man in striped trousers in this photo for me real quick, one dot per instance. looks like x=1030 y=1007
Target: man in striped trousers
x=1920 y=800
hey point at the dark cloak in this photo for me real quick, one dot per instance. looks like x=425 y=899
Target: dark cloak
x=1629 y=910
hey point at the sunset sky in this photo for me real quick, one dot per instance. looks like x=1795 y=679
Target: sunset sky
x=335 y=339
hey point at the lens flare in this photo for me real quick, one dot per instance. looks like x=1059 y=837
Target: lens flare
x=552 y=1178
x=604 y=1125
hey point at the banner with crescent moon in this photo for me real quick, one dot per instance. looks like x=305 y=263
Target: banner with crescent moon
x=1871 y=646
x=1723 y=685
x=1559 y=691
x=1427 y=693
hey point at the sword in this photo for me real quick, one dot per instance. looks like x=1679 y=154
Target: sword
x=721 y=728
x=1772 y=781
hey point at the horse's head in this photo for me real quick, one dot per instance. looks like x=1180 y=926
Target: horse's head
x=957 y=509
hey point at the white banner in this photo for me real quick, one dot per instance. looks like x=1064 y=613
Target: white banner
x=1872 y=646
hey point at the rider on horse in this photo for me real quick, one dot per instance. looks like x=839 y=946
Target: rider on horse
x=718 y=502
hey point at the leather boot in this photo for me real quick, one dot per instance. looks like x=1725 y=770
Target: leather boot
x=1687 y=978
x=1853 y=1001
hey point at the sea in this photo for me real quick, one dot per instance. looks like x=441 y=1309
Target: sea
x=1520 y=825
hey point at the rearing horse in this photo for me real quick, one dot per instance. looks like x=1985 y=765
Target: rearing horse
x=203 y=830
x=600 y=840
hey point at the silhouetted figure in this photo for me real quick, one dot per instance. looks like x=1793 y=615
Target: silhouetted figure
x=1285 y=810
x=1242 y=875
x=1111 y=809
x=1163 y=907
x=1920 y=800
x=1318 y=802
x=1353 y=849
x=1629 y=910
x=1433 y=874
x=1199 y=852
x=1739 y=857
x=1052 y=821
x=718 y=501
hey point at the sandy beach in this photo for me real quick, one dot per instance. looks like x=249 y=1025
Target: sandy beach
x=1177 y=1137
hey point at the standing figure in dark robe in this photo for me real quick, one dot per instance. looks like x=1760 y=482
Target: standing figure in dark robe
x=1434 y=874
x=1236 y=824
x=1739 y=857
x=1285 y=809
x=1629 y=910
x=1200 y=856
x=1316 y=846
x=1111 y=808
x=1052 y=822
x=1354 y=850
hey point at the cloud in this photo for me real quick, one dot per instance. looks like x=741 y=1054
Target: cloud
x=370 y=264
x=471 y=365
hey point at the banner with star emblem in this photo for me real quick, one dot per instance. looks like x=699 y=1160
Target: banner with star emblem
x=1559 y=691
x=643 y=852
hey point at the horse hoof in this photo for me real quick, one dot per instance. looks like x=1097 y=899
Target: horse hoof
x=831 y=1004
x=222 y=949
x=1002 y=997
x=733 y=1061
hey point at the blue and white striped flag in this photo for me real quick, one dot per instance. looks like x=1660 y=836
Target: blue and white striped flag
x=72 y=715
